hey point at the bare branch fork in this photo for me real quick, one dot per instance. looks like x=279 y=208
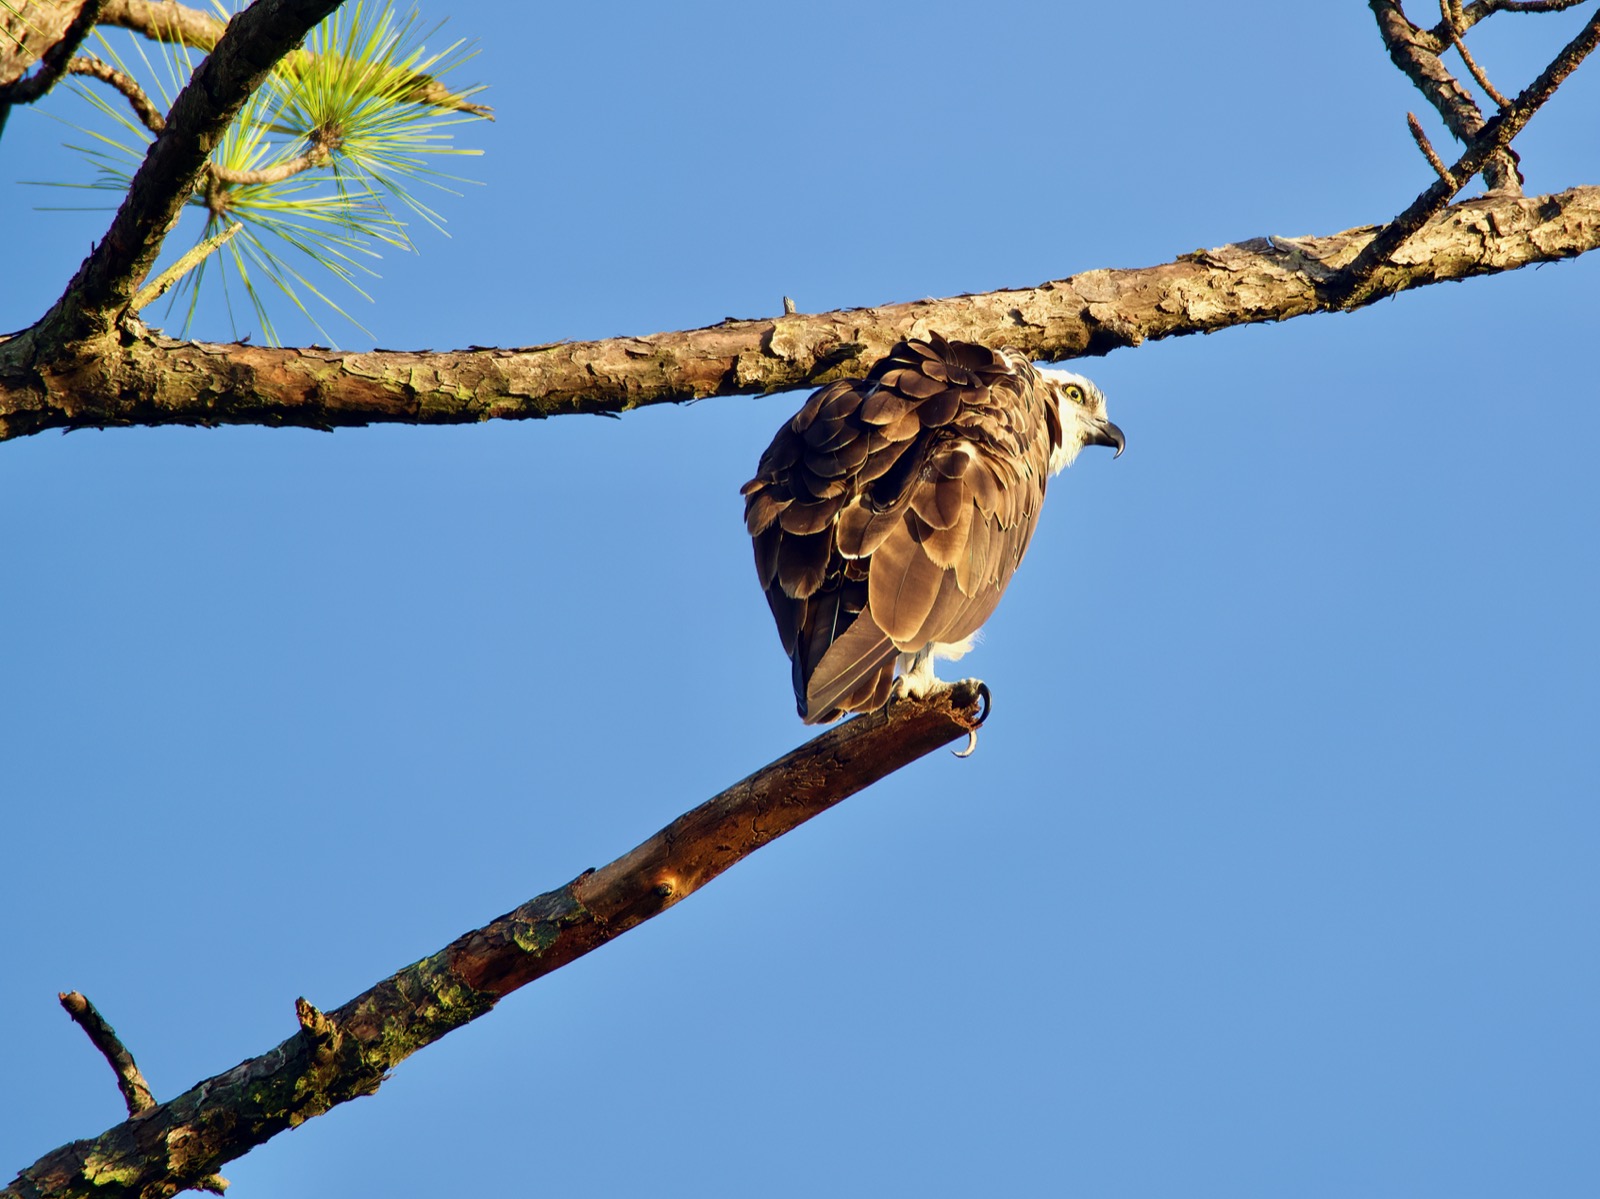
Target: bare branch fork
x=345 y=1053
x=1490 y=142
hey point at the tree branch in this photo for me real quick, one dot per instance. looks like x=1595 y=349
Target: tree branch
x=143 y=107
x=1416 y=53
x=1454 y=20
x=345 y=1053
x=1421 y=138
x=153 y=291
x=135 y=1091
x=1477 y=11
x=167 y=21
x=1357 y=285
x=52 y=66
x=255 y=40
x=152 y=380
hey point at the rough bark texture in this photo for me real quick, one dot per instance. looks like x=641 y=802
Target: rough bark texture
x=28 y=29
x=1416 y=52
x=146 y=379
x=1359 y=284
x=346 y=1053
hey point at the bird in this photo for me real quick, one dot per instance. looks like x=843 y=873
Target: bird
x=889 y=514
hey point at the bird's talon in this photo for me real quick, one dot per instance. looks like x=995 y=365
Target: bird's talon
x=987 y=702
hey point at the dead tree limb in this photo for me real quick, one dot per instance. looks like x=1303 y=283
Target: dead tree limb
x=152 y=380
x=1417 y=53
x=339 y=1055
x=1357 y=284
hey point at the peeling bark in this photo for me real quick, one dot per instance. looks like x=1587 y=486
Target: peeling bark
x=146 y=379
x=346 y=1053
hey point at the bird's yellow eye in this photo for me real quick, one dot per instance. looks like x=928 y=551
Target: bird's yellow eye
x=1075 y=393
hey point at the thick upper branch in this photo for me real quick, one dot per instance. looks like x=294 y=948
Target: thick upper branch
x=154 y=380
x=343 y=1054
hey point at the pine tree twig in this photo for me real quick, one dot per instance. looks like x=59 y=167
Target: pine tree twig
x=1430 y=153
x=135 y=1091
x=150 y=116
x=1451 y=10
x=96 y=68
x=152 y=292
x=110 y=277
x=1354 y=286
x=316 y=157
x=342 y=1054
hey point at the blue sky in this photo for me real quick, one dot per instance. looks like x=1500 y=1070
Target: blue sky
x=1274 y=871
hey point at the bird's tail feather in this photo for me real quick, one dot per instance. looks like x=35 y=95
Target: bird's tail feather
x=861 y=652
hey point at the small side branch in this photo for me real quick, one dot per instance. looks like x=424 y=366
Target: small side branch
x=149 y=115
x=1453 y=18
x=152 y=292
x=135 y=1091
x=316 y=157
x=1430 y=153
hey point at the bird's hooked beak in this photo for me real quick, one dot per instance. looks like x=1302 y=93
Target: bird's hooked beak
x=1106 y=433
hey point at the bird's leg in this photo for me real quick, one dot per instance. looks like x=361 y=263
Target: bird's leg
x=916 y=679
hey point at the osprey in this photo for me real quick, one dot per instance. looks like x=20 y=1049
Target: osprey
x=890 y=513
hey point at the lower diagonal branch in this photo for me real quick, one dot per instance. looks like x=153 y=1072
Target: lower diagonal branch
x=344 y=1053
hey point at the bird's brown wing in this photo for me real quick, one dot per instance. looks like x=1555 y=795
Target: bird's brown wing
x=890 y=513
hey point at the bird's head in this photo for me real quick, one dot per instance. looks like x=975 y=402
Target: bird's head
x=1082 y=407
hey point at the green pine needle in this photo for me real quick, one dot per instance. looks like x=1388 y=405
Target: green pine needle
x=352 y=124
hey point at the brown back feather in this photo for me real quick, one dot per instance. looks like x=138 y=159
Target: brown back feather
x=891 y=511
